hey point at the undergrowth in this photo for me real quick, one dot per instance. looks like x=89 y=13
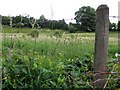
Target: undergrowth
x=59 y=61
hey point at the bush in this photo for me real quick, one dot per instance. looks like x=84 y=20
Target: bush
x=72 y=29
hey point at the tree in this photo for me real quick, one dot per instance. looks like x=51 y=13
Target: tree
x=28 y=21
x=85 y=17
x=21 y=21
x=62 y=24
x=25 y=21
x=42 y=21
x=42 y=18
x=5 y=20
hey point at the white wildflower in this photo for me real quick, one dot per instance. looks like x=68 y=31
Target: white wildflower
x=117 y=55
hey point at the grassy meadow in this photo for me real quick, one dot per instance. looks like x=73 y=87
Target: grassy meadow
x=54 y=59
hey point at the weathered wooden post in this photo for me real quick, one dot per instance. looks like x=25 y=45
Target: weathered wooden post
x=101 y=44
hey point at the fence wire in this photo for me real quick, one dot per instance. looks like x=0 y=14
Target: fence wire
x=86 y=73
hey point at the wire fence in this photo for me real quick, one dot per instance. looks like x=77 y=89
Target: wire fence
x=111 y=75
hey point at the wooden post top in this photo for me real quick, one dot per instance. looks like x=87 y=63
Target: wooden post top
x=103 y=6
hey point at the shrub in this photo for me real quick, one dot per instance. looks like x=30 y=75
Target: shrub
x=72 y=29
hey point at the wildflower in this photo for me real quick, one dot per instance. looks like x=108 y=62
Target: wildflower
x=35 y=52
x=29 y=50
x=35 y=65
x=72 y=60
x=117 y=55
x=60 y=54
x=5 y=78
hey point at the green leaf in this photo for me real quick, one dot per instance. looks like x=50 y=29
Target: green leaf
x=24 y=70
x=16 y=70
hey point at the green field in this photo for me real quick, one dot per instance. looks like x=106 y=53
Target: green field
x=55 y=59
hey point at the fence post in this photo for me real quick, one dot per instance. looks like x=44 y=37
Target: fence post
x=101 y=44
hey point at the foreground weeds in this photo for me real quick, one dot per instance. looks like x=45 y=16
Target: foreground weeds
x=53 y=61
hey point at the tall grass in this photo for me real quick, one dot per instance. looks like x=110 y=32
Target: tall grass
x=60 y=60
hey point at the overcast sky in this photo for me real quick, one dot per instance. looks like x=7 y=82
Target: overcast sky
x=61 y=8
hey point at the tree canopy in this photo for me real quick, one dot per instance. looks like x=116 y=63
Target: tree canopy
x=42 y=22
x=85 y=17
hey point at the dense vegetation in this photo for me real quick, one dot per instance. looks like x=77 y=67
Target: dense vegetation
x=54 y=59
x=41 y=53
x=85 y=21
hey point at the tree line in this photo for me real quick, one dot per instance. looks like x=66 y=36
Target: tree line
x=42 y=22
x=85 y=21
